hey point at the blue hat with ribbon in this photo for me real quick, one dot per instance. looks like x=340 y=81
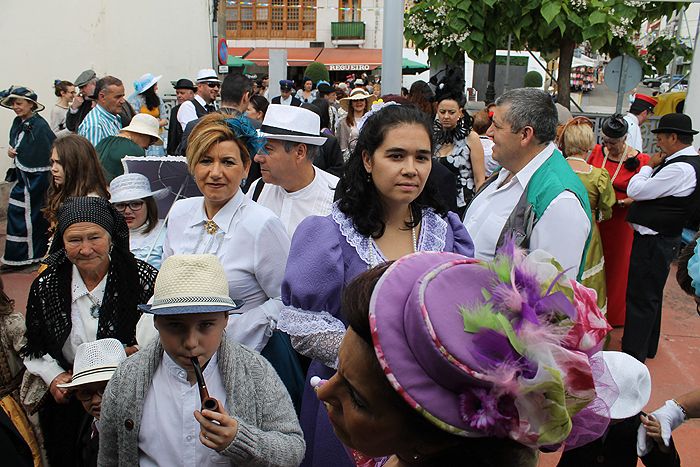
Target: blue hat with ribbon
x=145 y=82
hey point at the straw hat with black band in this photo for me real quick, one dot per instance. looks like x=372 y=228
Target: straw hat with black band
x=357 y=95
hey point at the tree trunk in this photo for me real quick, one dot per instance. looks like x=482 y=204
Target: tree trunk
x=490 y=96
x=566 y=57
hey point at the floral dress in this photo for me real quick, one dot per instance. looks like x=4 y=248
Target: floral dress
x=458 y=161
x=602 y=198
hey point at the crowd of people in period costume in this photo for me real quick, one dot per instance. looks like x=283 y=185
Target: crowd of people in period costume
x=366 y=280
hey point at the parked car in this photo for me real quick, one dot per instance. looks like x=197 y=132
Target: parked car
x=654 y=81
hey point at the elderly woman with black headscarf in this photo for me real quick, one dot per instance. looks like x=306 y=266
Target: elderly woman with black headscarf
x=622 y=162
x=90 y=290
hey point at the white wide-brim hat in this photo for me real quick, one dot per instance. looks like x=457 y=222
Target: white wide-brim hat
x=95 y=361
x=357 y=94
x=633 y=384
x=191 y=284
x=133 y=186
x=206 y=75
x=145 y=124
x=289 y=123
x=146 y=81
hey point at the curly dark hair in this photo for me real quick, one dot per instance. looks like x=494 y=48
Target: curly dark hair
x=358 y=199
x=151 y=98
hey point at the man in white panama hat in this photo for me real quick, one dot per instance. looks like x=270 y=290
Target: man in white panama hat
x=208 y=87
x=95 y=363
x=290 y=185
x=153 y=411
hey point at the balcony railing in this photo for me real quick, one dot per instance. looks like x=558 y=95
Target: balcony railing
x=349 y=30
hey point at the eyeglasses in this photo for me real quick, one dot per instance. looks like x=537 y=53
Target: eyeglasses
x=213 y=85
x=85 y=394
x=133 y=205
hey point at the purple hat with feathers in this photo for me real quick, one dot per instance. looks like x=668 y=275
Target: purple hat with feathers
x=506 y=348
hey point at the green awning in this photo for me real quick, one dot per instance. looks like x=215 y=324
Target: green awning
x=408 y=64
x=238 y=61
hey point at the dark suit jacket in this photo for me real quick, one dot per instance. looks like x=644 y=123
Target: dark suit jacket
x=618 y=448
x=295 y=102
x=330 y=157
x=73 y=121
x=446 y=184
x=174 y=131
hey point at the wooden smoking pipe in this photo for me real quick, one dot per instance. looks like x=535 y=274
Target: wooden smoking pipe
x=208 y=403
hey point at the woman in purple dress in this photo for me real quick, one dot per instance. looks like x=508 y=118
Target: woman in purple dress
x=385 y=211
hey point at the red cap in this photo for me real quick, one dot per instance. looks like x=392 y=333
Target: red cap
x=645 y=98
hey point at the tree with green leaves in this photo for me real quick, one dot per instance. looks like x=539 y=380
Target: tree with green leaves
x=317 y=71
x=449 y=28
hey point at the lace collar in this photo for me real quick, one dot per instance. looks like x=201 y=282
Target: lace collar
x=433 y=234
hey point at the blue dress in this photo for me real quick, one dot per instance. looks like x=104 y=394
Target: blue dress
x=27 y=229
x=325 y=255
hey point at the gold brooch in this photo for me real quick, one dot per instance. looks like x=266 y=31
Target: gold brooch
x=211 y=227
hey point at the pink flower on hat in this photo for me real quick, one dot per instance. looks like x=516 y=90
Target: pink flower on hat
x=488 y=413
x=590 y=328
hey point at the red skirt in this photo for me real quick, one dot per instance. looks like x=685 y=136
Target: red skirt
x=617 y=236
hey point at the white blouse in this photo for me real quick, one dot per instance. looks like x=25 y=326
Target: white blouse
x=148 y=247
x=83 y=327
x=252 y=245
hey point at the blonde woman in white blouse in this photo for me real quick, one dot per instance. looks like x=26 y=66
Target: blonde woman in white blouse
x=249 y=240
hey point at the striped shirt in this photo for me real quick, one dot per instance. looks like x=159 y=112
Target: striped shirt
x=99 y=124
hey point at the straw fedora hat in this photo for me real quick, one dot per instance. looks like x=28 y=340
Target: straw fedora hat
x=131 y=186
x=145 y=124
x=19 y=92
x=357 y=95
x=96 y=361
x=191 y=284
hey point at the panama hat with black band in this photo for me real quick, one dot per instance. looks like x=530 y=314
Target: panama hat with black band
x=287 y=123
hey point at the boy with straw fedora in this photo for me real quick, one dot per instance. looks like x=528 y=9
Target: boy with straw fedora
x=151 y=411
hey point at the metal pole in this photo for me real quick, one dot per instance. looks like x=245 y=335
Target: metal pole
x=620 y=91
x=392 y=45
x=693 y=96
x=506 y=85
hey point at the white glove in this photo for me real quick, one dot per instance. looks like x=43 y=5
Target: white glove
x=670 y=416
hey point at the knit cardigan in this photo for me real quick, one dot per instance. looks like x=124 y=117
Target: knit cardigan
x=268 y=431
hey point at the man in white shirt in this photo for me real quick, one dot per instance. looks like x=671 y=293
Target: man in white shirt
x=535 y=198
x=641 y=109
x=208 y=87
x=290 y=185
x=666 y=197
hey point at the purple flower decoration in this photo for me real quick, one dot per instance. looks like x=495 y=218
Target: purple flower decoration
x=488 y=414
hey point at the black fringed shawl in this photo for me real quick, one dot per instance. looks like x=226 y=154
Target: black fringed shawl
x=49 y=305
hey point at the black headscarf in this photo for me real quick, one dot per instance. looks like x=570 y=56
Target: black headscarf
x=91 y=209
x=129 y=283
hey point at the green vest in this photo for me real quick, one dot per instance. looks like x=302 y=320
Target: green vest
x=552 y=178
